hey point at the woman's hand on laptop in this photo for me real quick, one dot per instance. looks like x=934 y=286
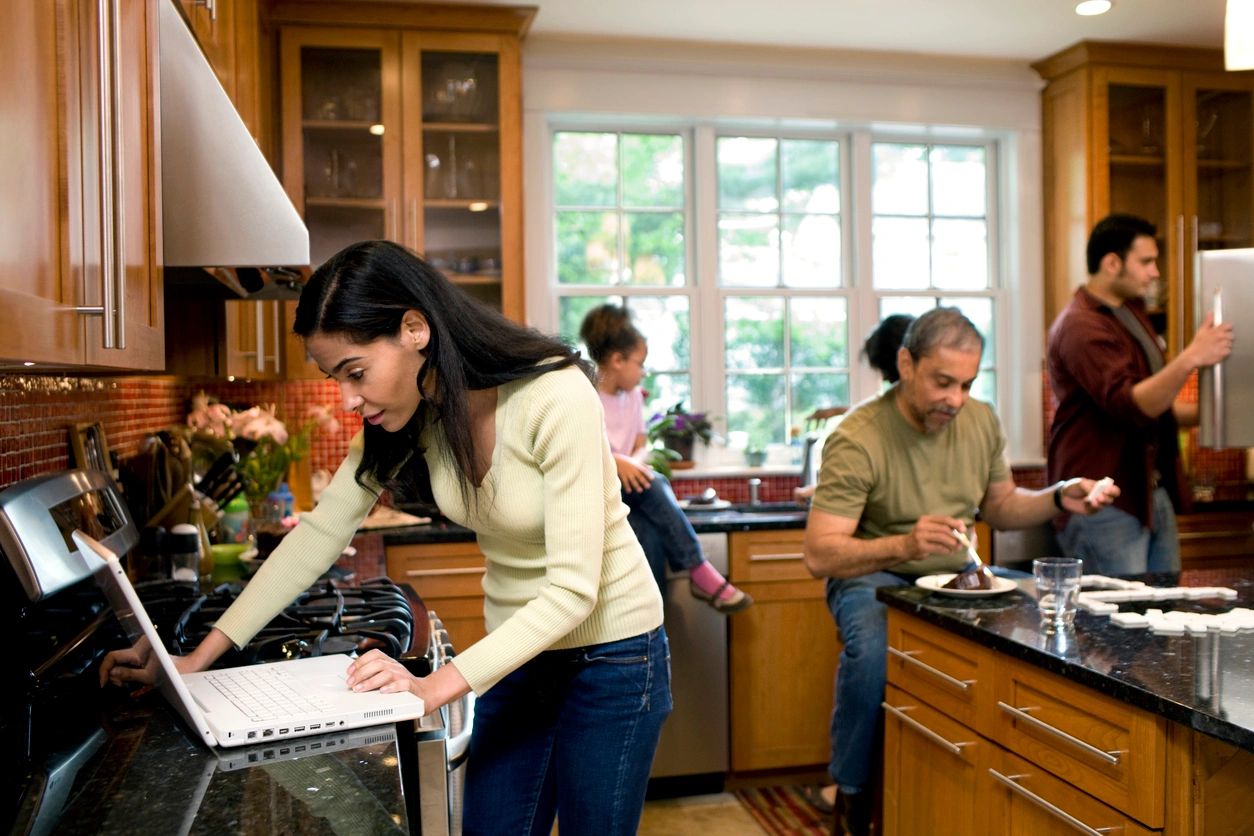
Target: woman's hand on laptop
x=135 y=664
x=376 y=671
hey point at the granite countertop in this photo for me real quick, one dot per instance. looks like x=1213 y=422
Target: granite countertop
x=774 y=515
x=1203 y=682
x=138 y=764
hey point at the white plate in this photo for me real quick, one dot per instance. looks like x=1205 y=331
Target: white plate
x=936 y=583
x=716 y=505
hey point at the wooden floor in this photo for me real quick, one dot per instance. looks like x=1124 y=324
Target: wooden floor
x=698 y=815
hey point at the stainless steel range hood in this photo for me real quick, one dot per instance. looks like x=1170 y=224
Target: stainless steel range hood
x=222 y=206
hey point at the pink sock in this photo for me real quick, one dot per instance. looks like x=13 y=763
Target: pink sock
x=708 y=580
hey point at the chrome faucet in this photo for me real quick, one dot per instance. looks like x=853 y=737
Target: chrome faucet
x=754 y=484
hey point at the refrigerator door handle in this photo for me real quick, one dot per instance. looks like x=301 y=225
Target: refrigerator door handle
x=1217 y=376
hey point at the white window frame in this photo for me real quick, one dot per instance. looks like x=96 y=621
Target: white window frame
x=707 y=297
x=628 y=86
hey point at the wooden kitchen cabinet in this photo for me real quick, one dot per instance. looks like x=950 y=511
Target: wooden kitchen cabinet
x=1078 y=757
x=255 y=339
x=934 y=769
x=405 y=124
x=449 y=578
x=1163 y=133
x=1216 y=539
x=81 y=286
x=784 y=654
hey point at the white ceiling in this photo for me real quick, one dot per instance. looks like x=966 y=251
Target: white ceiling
x=1015 y=29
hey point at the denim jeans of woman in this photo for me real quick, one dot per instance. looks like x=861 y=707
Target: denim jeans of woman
x=663 y=529
x=571 y=734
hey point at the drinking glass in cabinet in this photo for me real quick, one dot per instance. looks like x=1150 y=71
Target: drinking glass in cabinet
x=459 y=87
x=340 y=84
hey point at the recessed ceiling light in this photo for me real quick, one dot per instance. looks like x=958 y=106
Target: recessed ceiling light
x=1088 y=8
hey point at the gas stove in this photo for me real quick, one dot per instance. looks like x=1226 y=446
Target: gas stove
x=62 y=626
x=325 y=619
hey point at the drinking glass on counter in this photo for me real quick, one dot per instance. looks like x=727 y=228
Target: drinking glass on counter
x=1057 y=588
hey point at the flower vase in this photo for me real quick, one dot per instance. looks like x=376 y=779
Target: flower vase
x=683 y=446
x=265 y=524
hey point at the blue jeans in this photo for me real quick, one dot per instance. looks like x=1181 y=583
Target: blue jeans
x=863 y=625
x=1113 y=542
x=663 y=530
x=571 y=733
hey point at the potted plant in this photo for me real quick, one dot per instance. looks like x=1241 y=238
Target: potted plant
x=677 y=430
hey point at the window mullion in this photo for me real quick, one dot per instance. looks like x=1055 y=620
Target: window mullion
x=707 y=309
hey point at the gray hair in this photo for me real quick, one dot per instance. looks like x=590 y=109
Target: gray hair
x=941 y=328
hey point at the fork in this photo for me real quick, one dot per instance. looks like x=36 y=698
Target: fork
x=972 y=553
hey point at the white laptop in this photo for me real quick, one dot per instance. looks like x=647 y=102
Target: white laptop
x=255 y=703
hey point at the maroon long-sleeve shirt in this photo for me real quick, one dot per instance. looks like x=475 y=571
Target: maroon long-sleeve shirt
x=1098 y=430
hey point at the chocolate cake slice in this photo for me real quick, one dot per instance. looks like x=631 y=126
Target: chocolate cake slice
x=977 y=578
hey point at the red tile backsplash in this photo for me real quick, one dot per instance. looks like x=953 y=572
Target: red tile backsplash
x=36 y=412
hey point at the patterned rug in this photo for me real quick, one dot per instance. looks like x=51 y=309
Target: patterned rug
x=784 y=811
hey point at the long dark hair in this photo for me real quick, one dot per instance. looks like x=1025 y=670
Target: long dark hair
x=362 y=292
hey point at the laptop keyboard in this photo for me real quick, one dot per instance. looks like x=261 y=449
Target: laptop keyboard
x=263 y=695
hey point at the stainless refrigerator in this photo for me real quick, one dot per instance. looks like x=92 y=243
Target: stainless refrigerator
x=1226 y=390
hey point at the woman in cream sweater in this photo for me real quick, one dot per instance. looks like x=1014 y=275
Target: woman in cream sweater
x=492 y=422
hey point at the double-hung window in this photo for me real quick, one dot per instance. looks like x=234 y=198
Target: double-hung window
x=756 y=262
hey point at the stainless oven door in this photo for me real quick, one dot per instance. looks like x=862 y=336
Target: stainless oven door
x=433 y=784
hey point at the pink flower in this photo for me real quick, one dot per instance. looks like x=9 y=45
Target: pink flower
x=258 y=423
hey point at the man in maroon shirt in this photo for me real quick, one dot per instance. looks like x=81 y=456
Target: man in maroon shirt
x=1118 y=411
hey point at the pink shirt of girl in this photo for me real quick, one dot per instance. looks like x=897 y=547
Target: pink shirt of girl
x=624 y=419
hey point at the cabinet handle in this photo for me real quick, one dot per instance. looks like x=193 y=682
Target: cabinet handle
x=259 y=317
x=211 y=6
x=278 y=333
x=1012 y=782
x=119 y=181
x=1222 y=534
x=104 y=135
x=1178 y=290
x=1111 y=758
x=761 y=558
x=908 y=656
x=436 y=573
x=900 y=714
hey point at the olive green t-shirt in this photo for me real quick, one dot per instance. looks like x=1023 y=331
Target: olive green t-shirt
x=882 y=472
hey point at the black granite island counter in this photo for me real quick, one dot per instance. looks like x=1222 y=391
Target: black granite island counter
x=1157 y=731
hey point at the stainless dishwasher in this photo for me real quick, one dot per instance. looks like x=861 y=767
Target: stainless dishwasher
x=695 y=737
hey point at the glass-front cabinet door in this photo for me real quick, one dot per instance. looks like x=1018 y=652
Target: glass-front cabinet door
x=1142 y=151
x=1219 y=153
x=405 y=135
x=342 y=129
x=464 y=215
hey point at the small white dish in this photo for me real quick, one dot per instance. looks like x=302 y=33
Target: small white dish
x=936 y=583
x=716 y=505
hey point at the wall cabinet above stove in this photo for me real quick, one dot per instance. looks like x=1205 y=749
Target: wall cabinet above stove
x=80 y=284
x=404 y=123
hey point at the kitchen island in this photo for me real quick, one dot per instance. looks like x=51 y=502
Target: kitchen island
x=992 y=726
